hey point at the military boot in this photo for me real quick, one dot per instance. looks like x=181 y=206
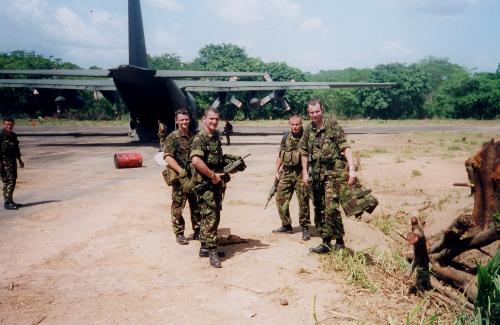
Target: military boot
x=306 y=235
x=324 y=248
x=18 y=205
x=10 y=206
x=214 y=258
x=339 y=244
x=196 y=235
x=181 y=240
x=286 y=229
x=205 y=252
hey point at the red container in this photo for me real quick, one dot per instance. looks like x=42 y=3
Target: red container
x=128 y=160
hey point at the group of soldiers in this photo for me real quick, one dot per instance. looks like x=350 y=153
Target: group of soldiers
x=195 y=170
x=10 y=155
x=314 y=162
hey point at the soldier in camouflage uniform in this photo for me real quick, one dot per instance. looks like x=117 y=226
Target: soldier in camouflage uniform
x=332 y=176
x=176 y=154
x=288 y=170
x=9 y=153
x=207 y=158
x=162 y=134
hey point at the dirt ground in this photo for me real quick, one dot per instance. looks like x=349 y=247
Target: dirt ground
x=93 y=244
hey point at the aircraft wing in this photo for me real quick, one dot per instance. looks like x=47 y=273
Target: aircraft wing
x=231 y=86
x=106 y=73
x=78 y=84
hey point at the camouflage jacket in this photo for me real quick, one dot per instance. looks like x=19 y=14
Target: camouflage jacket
x=289 y=149
x=324 y=146
x=209 y=149
x=177 y=143
x=9 y=146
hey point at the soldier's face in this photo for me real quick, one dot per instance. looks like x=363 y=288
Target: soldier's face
x=211 y=121
x=295 y=125
x=8 y=126
x=182 y=121
x=315 y=113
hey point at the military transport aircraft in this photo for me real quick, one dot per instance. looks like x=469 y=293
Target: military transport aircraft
x=151 y=95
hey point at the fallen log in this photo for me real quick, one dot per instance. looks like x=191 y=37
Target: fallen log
x=466 y=232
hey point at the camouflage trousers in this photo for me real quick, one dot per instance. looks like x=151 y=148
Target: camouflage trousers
x=8 y=173
x=178 y=202
x=327 y=218
x=289 y=182
x=210 y=205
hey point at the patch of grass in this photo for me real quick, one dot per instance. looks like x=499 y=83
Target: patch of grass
x=454 y=148
x=383 y=222
x=352 y=266
x=442 y=202
x=415 y=173
x=392 y=261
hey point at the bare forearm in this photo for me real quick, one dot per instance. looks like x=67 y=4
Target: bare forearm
x=348 y=157
x=200 y=166
x=172 y=163
x=277 y=165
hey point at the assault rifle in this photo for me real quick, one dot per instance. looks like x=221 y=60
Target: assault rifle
x=184 y=164
x=229 y=168
x=274 y=188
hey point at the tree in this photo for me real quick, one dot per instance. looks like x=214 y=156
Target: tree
x=405 y=100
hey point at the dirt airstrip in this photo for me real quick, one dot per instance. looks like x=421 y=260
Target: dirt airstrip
x=93 y=244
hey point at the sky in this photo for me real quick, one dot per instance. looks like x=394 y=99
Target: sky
x=310 y=35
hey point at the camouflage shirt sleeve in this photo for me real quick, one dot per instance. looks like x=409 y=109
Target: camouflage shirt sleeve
x=304 y=141
x=197 y=147
x=339 y=136
x=169 y=147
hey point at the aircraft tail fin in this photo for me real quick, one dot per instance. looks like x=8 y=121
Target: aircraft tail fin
x=136 y=40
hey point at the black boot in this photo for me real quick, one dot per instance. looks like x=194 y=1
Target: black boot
x=339 y=244
x=181 y=240
x=18 y=205
x=285 y=229
x=214 y=258
x=10 y=206
x=196 y=235
x=306 y=235
x=205 y=252
x=324 y=248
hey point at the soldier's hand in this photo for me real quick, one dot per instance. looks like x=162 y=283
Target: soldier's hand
x=352 y=177
x=21 y=163
x=217 y=178
x=305 y=178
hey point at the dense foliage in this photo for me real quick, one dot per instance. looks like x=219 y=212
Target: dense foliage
x=430 y=88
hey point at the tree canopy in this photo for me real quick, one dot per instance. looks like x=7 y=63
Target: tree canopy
x=432 y=87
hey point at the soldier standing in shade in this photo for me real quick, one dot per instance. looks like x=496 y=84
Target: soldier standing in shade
x=162 y=134
x=207 y=158
x=228 y=132
x=289 y=162
x=326 y=152
x=9 y=153
x=176 y=154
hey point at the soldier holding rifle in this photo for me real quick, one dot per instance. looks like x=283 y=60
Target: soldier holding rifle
x=208 y=162
x=176 y=154
x=288 y=172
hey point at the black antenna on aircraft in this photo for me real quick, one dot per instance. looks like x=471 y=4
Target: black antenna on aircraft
x=136 y=41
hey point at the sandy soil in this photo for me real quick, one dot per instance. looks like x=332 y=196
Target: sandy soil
x=93 y=244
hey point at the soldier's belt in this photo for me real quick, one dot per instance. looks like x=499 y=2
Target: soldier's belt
x=292 y=167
